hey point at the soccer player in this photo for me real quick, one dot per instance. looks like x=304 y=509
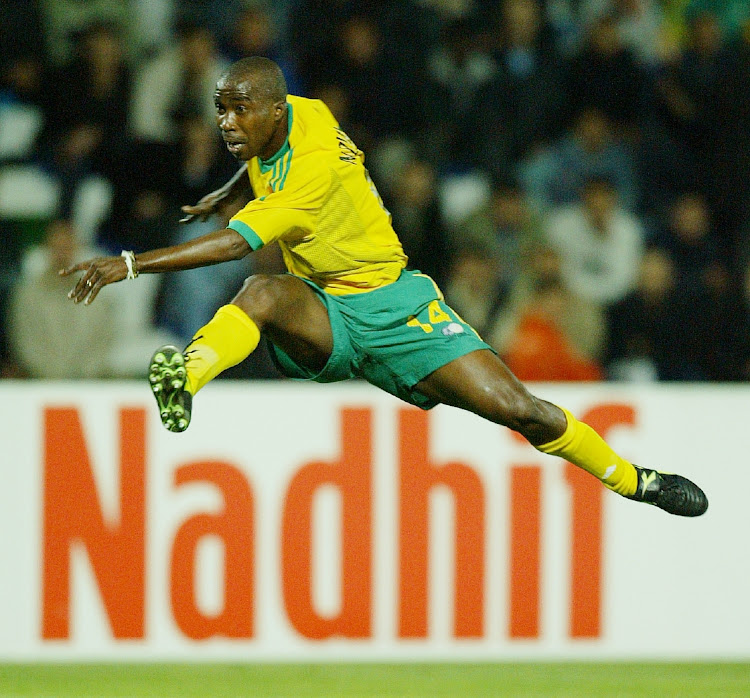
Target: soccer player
x=348 y=306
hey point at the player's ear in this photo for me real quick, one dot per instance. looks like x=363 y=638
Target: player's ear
x=279 y=110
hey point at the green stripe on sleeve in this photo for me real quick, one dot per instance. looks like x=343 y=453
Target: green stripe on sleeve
x=253 y=239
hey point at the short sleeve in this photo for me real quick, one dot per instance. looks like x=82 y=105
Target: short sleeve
x=289 y=213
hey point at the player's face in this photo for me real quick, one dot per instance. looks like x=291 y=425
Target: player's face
x=250 y=126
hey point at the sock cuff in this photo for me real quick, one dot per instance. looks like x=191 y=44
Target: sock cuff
x=565 y=438
x=240 y=315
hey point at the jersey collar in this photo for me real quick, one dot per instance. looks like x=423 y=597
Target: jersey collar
x=266 y=165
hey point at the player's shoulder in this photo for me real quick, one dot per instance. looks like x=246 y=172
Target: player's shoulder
x=314 y=131
x=311 y=109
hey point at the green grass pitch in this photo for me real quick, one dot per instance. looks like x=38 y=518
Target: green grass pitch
x=397 y=680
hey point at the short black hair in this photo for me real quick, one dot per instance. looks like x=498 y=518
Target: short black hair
x=267 y=77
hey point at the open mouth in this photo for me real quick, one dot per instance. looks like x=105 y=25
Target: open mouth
x=234 y=146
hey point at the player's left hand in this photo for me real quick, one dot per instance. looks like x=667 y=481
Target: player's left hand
x=97 y=273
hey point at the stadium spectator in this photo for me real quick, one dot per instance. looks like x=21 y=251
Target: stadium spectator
x=313 y=32
x=320 y=35
x=524 y=105
x=254 y=33
x=139 y=213
x=600 y=244
x=176 y=82
x=538 y=349
x=606 y=76
x=693 y=246
x=219 y=17
x=336 y=98
x=505 y=226
x=46 y=339
x=22 y=90
x=151 y=23
x=656 y=332
x=678 y=115
x=704 y=279
x=87 y=110
x=416 y=214
x=475 y=287
x=497 y=299
x=63 y=20
x=554 y=175
x=458 y=67
x=581 y=322
x=200 y=162
x=363 y=65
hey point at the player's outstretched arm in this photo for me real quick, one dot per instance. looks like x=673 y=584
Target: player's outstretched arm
x=224 y=202
x=213 y=248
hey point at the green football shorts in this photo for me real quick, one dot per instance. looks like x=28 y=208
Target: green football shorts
x=393 y=337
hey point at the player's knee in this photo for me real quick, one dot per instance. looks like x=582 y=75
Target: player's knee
x=518 y=409
x=260 y=297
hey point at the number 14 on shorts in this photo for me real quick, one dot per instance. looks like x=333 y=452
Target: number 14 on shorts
x=436 y=315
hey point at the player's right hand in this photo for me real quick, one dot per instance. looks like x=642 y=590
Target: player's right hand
x=211 y=204
x=97 y=273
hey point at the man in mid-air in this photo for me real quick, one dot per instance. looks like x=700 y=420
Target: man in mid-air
x=348 y=306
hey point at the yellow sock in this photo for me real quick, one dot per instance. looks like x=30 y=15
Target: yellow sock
x=227 y=339
x=583 y=447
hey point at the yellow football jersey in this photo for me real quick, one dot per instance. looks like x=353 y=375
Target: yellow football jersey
x=315 y=197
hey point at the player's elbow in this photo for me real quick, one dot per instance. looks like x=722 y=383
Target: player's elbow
x=236 y=246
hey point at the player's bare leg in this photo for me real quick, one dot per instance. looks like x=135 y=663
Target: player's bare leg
x=289 y=312
x=282 y=306
x=481 y=383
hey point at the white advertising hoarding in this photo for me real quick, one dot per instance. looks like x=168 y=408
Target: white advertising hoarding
x=302 y=522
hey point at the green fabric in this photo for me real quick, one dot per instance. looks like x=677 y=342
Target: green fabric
x=372 y=340
x=253 y=239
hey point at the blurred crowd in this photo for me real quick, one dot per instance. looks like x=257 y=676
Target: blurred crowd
x=575 y=174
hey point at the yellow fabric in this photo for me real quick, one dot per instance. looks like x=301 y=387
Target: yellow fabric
x=227 y=339
x=317 y=200
x=583 y=447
